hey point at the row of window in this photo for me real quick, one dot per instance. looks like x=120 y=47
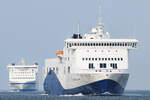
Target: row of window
x=102 y=59
x=101 y=44
x=22 y=78
x=23 y=72
x=103 y=65
x=22 y=75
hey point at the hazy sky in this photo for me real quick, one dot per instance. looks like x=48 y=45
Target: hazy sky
x=36 y=29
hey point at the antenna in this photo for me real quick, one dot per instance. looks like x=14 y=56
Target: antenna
x=78 y=27
x=100 y=28
x=100 y=14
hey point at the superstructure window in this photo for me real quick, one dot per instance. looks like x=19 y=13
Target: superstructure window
x=110 y=44
x=96 y=44
x=69 y=44
x=114 y=65
x=117 y=44
x=85 y=44
x=102 y=65
x=82 y=58
x=99 y=58
x=69 y=69
x=99 y=44
x=107 y=44
x=121 y=59
x=91 y=66
x=93 y=44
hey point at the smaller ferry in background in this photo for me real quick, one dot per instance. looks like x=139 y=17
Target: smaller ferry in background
x=23 y=77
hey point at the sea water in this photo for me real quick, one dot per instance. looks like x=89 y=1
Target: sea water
x=128 y=95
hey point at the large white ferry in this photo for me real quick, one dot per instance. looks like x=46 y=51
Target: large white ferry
x=23 y=77
x=89 y=64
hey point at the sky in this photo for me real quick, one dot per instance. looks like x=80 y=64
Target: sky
x=36 y=29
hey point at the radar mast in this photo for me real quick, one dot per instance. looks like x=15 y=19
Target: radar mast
x=100 y=28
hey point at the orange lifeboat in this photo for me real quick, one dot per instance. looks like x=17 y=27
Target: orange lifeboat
x=59 y=53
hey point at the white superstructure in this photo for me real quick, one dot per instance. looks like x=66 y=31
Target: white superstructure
x=23 y=77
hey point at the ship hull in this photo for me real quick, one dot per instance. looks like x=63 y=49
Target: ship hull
x=113 y=84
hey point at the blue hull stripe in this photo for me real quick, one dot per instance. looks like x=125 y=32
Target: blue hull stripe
x=53 y=86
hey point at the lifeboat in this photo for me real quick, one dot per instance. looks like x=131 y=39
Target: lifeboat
x=59 y=53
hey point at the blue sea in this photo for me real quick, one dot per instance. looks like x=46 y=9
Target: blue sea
x=128 y=95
